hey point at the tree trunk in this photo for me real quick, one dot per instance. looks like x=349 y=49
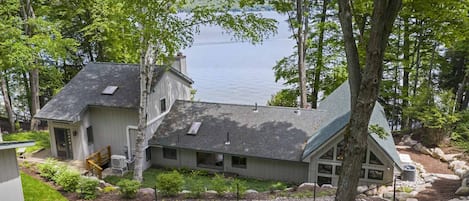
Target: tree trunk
x=417 y=62
x=35 y=105
x=319 y=56
x=301 y=59
x=7 y=101
x=405 y=77
x=384 y=14
x=146 y=64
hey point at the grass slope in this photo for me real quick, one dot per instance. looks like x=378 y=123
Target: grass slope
x=41 y=139
x=35 y=190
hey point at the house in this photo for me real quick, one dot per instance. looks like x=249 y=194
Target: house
x=289 y=144
x=10 y=181
x=99 y=108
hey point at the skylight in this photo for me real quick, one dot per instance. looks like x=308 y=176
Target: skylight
x=109 y=90
x=194 y=128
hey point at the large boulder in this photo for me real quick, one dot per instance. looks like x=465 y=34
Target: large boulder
x=407 y=140
x=307 y=187
x=147 y=191
x=422 y=149
x=361 y=189
x=457 y=165
x=437 y=153
x=462 y=191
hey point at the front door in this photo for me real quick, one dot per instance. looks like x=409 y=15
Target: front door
x=63 y=141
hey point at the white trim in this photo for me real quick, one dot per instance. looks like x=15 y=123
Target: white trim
x=5 y=145
x=158 y=117
x=128 y=139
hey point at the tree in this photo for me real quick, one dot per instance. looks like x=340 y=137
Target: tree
x=163 y=31
x=364 y=84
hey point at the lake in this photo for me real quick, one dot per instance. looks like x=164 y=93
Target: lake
x=228 y=71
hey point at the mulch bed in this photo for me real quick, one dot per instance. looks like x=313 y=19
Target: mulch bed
x=442 y=189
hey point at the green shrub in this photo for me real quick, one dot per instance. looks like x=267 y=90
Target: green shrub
x=195 y=185
x=277 y=186
x=49 y=169
x=219 y=184
x=68 y=179
x=128 y=188
x=108 y=189
x=60 y=168
x=238 y=186
x=87 y=188
x=170 y=184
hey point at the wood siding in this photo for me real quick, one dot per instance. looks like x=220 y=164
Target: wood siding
x=110 y=127
x=8 y=165
x=256 y=167
x=170 y=87
x=11 y=190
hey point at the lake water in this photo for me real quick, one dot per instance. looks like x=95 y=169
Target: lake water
x=227 y=71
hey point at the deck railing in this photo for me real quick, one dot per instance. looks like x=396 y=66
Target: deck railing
x=97 y=160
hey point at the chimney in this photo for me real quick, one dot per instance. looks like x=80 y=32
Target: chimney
x=180 y=63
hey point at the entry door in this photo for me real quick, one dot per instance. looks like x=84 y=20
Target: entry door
x=63 y=141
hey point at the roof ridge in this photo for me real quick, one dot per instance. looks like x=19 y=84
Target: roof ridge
x=247 y=105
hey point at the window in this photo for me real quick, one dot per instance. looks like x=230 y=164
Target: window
x=375 y=174
x=339 y=168
x=374 y=160
x=329 y=155
x=89 y=133
x=324 y=180
x=340 y=150
x=210 y=160
x=238 y=162
x=163 y=105
x=148 y=153
x=325 y=169
x=169 y=153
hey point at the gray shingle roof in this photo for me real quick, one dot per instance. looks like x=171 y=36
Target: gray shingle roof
x=15 y=144
x=272 y=132
x=337 y=105
x=85 y=90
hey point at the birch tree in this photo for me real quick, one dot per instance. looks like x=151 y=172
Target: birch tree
x=364 y=84
x=163 y=31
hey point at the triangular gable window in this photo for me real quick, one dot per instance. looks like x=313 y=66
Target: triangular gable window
x=374 y=160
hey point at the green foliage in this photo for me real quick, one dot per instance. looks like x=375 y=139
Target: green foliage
x=68 y=179
x=378 y=130
x=461 y=131
x=285 y=98
x=238 y=186
x=49 y=168
x=278 y=186
x=40 y=138
x=34 y=189
x=195 y=186
x=109 y=189
x=87 y=188
x=406 y=189
x=219 y=184
x=128 y=188
x=170 y=184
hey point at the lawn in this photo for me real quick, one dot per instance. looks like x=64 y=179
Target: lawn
x=149 y=179
x=34 y=189
x=40 y=138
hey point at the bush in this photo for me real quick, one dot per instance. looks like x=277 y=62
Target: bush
x=219 y=184
x=48 y=169
x=277 y=186
x=195 y=186
x=170 y=184
x=68 y=179
x=128 y=188
x=87 y=188
x=108 y=189
x=238 y=186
